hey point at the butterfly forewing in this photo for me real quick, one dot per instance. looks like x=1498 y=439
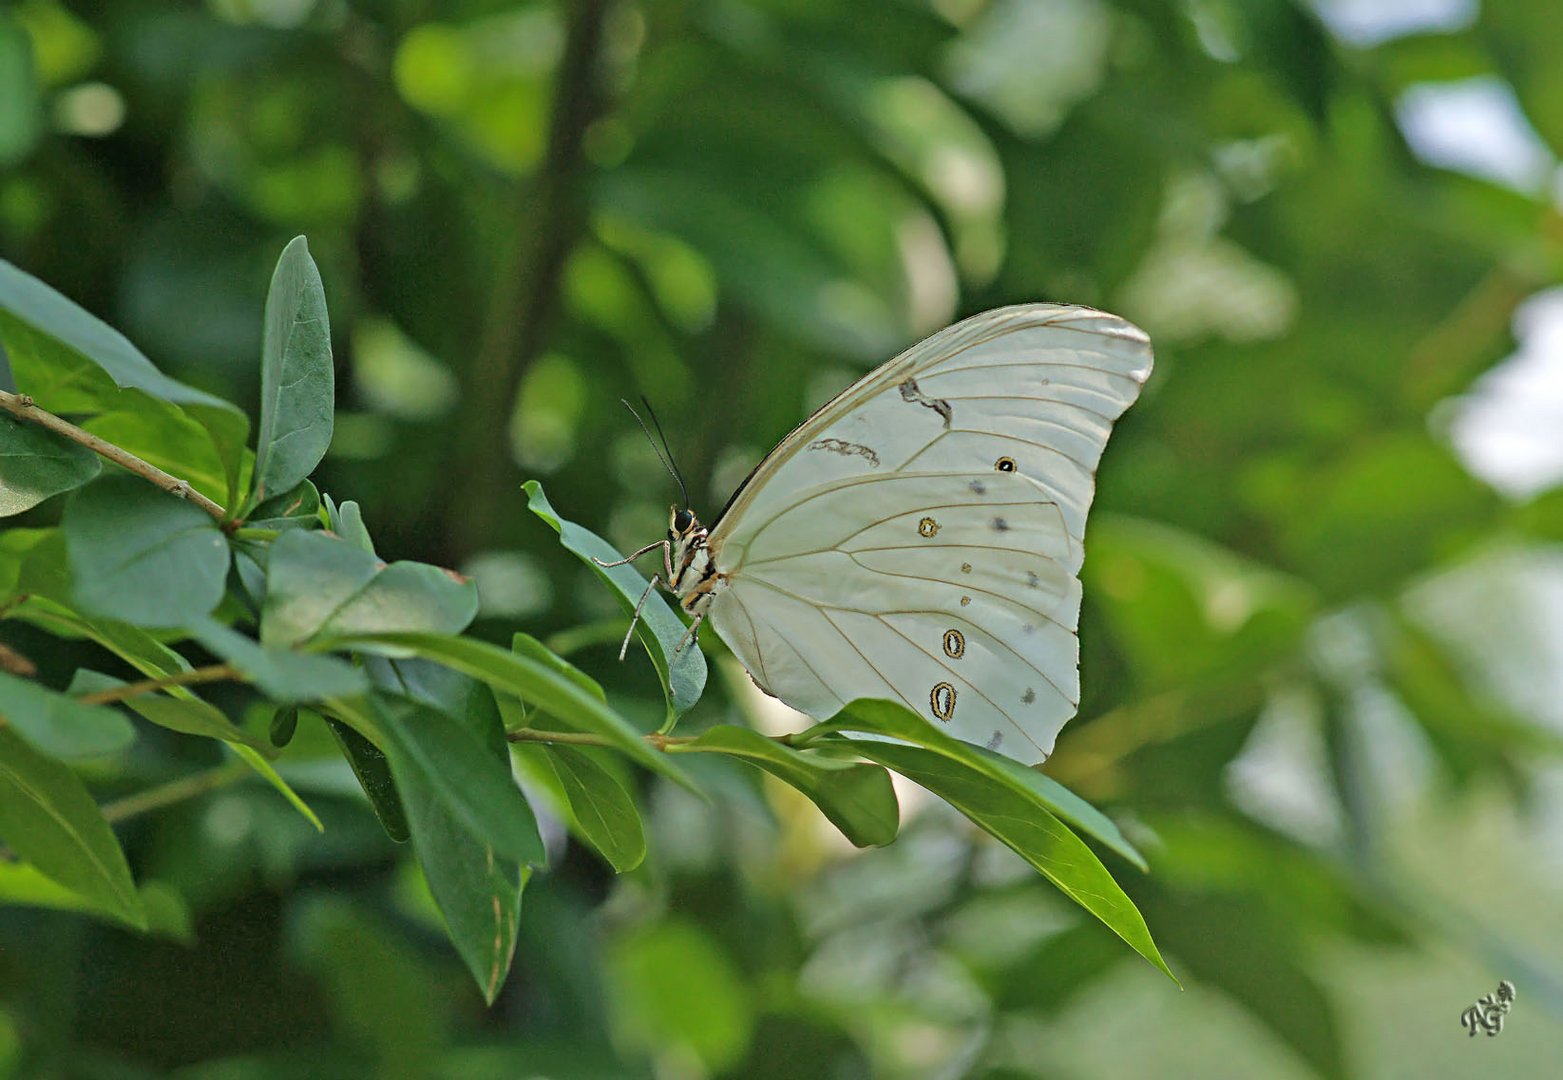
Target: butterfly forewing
x=919 y=537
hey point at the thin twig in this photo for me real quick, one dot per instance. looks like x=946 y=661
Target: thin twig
x=23 y=408
x=186 y=787
x=212 y=673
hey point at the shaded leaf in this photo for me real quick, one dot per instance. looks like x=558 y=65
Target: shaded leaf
x=426 y=747
x=36 y=463
x=281 y=674
x=186 y=715
x=603 y=810
x=319 y=585
x=373 y=771
x=48 y=818
x=141 y=556
x=59 y=725
x=477 y=890
x=73 y=362
x=298 y=387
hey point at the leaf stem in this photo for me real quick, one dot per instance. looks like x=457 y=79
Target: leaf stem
x=665 y=743
x=211 y=673
x=186 y=787
x=23 y=407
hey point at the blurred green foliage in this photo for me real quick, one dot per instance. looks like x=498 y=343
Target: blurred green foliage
x=1314 y=690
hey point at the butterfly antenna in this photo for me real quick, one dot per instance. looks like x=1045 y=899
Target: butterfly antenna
x=665 y=458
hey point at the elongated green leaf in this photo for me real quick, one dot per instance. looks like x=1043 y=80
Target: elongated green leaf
x=48 y=818
x=603 y=810
x=73 y=362
x=528 y=646
x=477 y=889
x=529 y=680
x=142 y=556
x=683 y=671
x=59 y=725
x=1014 y=816
x=890 y=718
x=426 y=747
x=298 y=383
x=858 y=799
x=186 y=715
x=322 y=586
x=373 y=771
x=282 y=675
x=35 y=464
x=1066 y=804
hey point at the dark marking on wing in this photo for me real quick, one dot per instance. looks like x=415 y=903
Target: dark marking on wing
x=1000 y=525
x=911 y=392
x=1028 y=697
x=978 y=487
x=993 y=743
x=846 y=449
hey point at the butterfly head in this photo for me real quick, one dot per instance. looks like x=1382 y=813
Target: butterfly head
x=688 y=537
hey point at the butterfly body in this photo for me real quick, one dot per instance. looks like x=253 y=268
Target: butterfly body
x=919 y=538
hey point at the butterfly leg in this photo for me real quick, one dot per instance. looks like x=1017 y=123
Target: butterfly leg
x=691 y=636
x=635 y=618
x=667 y=556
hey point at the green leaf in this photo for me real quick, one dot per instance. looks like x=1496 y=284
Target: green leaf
x=282 y=675
x=857 y=798
x=298 y=392
x=142 y=556
x=426 y=747
x=476 y=889
x=347 y=521
x=373 y=770
x=36 y=463
x=73 y=362
x=531 y=681
x=1065 y=804
x=320 y=586
x=48 y=818
x=162 y=435
x=603 y=810
x=683 y=672
x=1008 y=806
x=299 y=508
x=893 y=719
x=186 y=715
x=59 y=725
x=1028 y=829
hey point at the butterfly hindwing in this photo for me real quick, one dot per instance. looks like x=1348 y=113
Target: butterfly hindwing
x=919 y=538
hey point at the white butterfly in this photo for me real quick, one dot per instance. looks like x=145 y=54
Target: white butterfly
x=919 y=538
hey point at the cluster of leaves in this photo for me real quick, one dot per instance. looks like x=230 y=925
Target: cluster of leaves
x=289 y=596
